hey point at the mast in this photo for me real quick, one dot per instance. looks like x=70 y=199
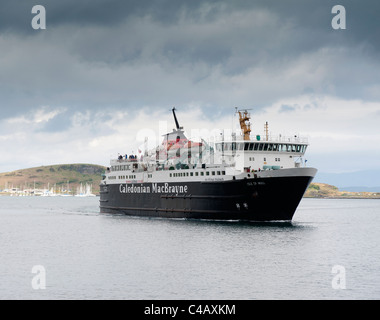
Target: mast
x=176 y=121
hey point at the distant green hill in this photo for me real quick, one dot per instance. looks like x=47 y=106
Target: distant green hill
x=323 y=190
x=60 y=177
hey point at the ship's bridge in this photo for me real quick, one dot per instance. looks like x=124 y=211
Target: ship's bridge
x=295 y=145
x=260 y=152
x=282 y=152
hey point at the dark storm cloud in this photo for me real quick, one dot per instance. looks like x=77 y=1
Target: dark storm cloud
x=16 y=15
x=362 y=16
x=127 y=54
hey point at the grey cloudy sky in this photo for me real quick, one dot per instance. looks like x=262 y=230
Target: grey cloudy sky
x=103 y=72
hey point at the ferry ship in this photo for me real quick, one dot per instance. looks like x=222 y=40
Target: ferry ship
x=236 y=178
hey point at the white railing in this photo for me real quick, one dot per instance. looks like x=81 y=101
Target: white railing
x=262 y=138
x=282 y=139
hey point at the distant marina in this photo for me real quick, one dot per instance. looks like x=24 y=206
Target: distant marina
x=80 y=180
x=83 y=190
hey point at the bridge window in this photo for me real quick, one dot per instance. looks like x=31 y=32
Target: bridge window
x=227 y=146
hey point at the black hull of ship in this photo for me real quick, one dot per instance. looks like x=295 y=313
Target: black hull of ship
x=260 y=199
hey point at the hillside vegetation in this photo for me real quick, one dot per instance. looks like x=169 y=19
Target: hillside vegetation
x=64 y=176
x=323 y=190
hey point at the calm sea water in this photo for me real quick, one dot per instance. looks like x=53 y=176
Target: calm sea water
x=88 y=255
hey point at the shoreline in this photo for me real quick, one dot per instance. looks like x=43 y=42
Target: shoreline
x=326 y=191
x=344 y=198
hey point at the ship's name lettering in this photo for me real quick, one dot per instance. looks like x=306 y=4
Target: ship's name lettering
x=154 y=188
x=255 y=183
